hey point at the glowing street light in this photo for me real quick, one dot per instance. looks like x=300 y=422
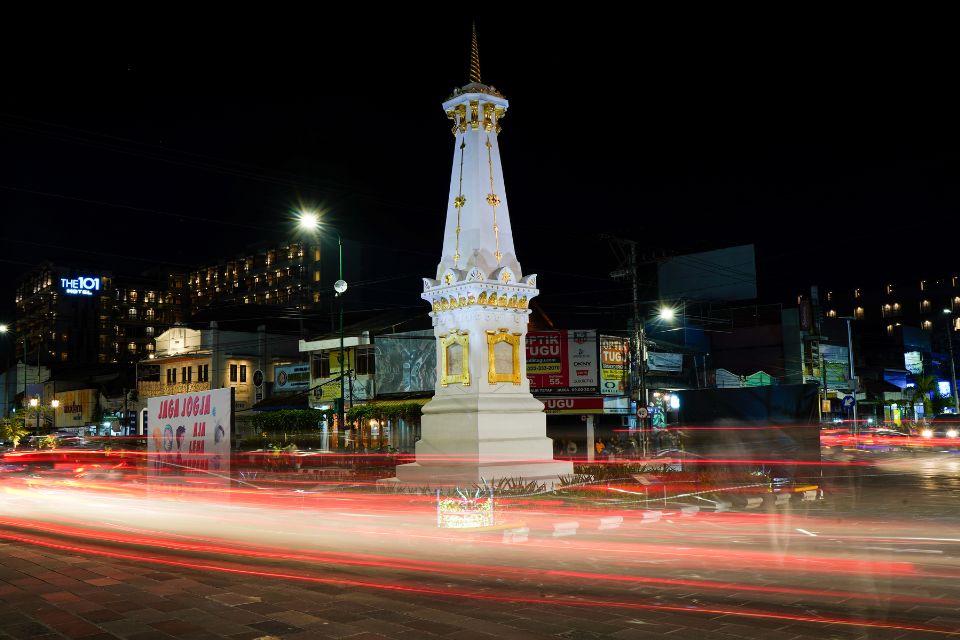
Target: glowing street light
x=666 y=313
x=309 y=221
x=4 y=328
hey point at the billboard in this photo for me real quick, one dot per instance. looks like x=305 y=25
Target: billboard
x=406 y=362
x=724 y=274
x=75 y=408
x=837 y=365
x=563 y=362
x=190 y=434
x=614 y=365
x=291 y=378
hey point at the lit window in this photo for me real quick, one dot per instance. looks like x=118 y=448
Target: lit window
x=889 y=289
x=233 y=373
x=149 y=331
x=132 y=313
x=927 y=325
x=856 y=293
x=925 y=305
x=923 y=285
x=316 y=276
x=243 y=373
x=832 y=313
x=132 y=347
x=316 y=254
x=889 y=329
x=858 y=313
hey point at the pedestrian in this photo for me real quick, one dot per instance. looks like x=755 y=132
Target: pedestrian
x=599 y=447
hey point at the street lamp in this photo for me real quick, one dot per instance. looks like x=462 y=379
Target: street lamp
x=309 y=221
x=953 y=371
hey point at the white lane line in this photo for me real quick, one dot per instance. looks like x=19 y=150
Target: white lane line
x=565 y=529
x=895 y=550
x=807 y=532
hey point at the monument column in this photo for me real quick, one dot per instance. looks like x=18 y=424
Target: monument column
x=483 y=423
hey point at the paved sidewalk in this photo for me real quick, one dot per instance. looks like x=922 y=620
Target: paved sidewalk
x=46 y=593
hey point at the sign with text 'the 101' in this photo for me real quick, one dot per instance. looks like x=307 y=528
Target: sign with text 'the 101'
x=563 y=362
x=190 y=435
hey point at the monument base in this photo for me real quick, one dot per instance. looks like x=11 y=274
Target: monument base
x=469 y=439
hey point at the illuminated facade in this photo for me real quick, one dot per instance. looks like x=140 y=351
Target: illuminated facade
x=288 y=275
x=74 y=318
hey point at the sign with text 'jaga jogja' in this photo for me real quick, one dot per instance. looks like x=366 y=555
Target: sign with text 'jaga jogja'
x=80 y=286
x=190 y=432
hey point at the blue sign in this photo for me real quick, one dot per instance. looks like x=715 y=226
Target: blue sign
x=80 y=286
x=848 y=402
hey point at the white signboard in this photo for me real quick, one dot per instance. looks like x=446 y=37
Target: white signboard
x=190 y=435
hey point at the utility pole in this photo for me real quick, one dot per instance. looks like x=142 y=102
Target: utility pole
x=626 y=252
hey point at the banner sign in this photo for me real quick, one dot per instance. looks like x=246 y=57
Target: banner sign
x=572 y=405
x=190 y=435
x=563 y=362
x=837 y=363
x=291 y=377
x=75 y=408
x=614 y=363
x=406 y=362
x=672 y=362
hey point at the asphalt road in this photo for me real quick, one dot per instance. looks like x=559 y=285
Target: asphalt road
x=878 y=557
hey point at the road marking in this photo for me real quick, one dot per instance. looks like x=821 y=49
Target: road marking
x=807 y=532
x=565 y=529
x=610 y=522
x=895 y=550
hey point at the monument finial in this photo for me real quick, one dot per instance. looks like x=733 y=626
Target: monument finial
x=474 y=57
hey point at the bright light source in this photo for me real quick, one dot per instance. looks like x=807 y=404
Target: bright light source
x=54 y=403
x=106 y=425
x=927 y=433
x=837 y=421
x=674 y=402
x=309 y=221
x=946 y=310
x=34 y=402
x=666 y=313
x=869 y=420
x=952 y=433
x=4 y=328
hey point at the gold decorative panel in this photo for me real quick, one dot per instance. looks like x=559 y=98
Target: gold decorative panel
x=455 y=359
x=509 y=362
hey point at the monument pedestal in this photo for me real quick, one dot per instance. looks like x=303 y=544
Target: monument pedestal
x=469 y=439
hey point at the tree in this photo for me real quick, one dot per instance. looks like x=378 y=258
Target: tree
x=924 y=386
x=12 y=429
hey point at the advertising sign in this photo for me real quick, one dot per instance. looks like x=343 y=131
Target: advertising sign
x=837 y=364
x=572 y=405
x=358 y=389
x=406 y=362
x=190 y=435
x=913 y=362
x=75 y=408
x=614 y=363
x=291 y=377
x=335 y=365
x=672 y=362
x=80 y=286
x=563 y=362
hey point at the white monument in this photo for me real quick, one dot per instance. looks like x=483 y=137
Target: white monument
x=482 y=424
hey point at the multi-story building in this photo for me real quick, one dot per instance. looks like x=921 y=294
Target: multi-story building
x=200 y=359
x=72 y=318
x=287 y=275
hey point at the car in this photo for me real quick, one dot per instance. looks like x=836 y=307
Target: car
x=944 y=429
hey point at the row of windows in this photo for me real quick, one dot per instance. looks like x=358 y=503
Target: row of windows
x=365 y=362
x=186 y=374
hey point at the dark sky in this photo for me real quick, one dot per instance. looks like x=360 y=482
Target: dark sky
x=831 y=146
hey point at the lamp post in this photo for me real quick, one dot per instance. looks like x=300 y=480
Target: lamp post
x=953 y=370
x=311 y=222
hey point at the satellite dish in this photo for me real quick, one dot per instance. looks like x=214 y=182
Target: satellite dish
x=340 y=286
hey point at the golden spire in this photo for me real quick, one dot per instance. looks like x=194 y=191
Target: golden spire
x=474 y=57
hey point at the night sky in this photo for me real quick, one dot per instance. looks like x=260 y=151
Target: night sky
x=831 y=146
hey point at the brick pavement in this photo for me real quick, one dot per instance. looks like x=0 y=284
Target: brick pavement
x=46 y=593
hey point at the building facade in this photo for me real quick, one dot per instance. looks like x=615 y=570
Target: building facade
x=202 y=359
x=286 y=275
x=69 y=317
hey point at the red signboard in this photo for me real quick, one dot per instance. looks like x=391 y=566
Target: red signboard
x=570 y=404
x=563 y=362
